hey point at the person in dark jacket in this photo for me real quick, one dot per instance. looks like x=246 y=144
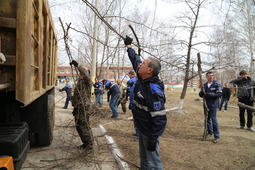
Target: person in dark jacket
x=130 y=87
x=113 y=95
x=226 y=93
x=245 y=93
x=68 y=90
x=98 y=91
x=213 y=92
x=148 y=107
x=82 y=106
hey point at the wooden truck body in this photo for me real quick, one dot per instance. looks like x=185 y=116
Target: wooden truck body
x=27 y=77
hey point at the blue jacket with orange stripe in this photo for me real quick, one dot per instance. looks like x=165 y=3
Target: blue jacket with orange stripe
x=149 y=102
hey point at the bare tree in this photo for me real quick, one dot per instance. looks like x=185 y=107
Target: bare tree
x=189 y=23
x=244 y=11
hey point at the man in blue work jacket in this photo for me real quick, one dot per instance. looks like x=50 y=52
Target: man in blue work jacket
x=99 y=92
x=213 y=92
x=113 y=95
x=148 y=107
x=130 y=87
x=68 y=89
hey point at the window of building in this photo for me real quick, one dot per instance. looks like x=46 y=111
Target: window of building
x=67 y=70
x=62 y=71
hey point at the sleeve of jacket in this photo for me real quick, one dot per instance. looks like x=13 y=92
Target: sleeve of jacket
x=108 y=96
x=107 y=86
x=156 y=106
x=64 y=88
x=134 y=58
x=229 y=93
x=237 y=81
x=218 y=91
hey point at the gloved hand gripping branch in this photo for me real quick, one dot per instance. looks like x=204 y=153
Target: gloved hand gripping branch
x=128 y=40
x=74 y=63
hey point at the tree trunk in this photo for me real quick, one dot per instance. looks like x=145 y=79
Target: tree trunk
x=183 y=94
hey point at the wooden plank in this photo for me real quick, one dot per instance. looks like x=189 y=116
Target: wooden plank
x=33 y=50
x=7 y=22
x=46 y=50
x=23 y=50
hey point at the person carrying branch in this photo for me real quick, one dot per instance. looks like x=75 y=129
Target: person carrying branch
x=245 y=96
x=148 y=107
x=213 y=92
x=82 y=106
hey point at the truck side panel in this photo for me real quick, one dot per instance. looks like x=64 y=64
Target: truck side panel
x=29 y=44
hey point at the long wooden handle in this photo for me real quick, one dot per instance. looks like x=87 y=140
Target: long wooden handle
x=204 y=101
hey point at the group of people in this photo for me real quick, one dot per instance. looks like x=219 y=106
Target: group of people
x=213 y=92
x=147 y=103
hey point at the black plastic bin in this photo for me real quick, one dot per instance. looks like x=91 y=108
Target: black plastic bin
x=14 y=141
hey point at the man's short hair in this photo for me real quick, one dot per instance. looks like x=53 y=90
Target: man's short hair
x=131 y=72
x=209 y=72
x=104 y=81
x=243 y=72
x=155 y=65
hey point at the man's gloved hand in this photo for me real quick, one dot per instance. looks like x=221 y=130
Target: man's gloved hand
x=151 y=145
x=128 y=40
x=74 y=63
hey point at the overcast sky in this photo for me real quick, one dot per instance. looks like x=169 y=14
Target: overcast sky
x=68 y=11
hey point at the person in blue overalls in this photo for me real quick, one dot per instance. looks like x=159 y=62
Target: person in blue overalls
x=148 y=107
x=213 y=92
x=130 y=87
x=99 y=91
x=113 y=95
x=68 y=89
x=130 y=93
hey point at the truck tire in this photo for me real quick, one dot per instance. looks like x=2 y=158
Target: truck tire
x=40 y=116
x=45 y=135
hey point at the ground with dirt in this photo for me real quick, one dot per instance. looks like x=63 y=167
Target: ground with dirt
x=181 y=144
x=64 y=152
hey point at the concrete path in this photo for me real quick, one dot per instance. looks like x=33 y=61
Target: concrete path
x=64 y=153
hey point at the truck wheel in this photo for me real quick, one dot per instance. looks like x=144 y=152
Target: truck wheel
x=40 y=116
x=45 y=135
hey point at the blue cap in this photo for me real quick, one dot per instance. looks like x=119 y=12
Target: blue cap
x=67 y=78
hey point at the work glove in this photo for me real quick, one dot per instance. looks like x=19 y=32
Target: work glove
x=74 y=63
x=128 y=40
x=151 y=145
